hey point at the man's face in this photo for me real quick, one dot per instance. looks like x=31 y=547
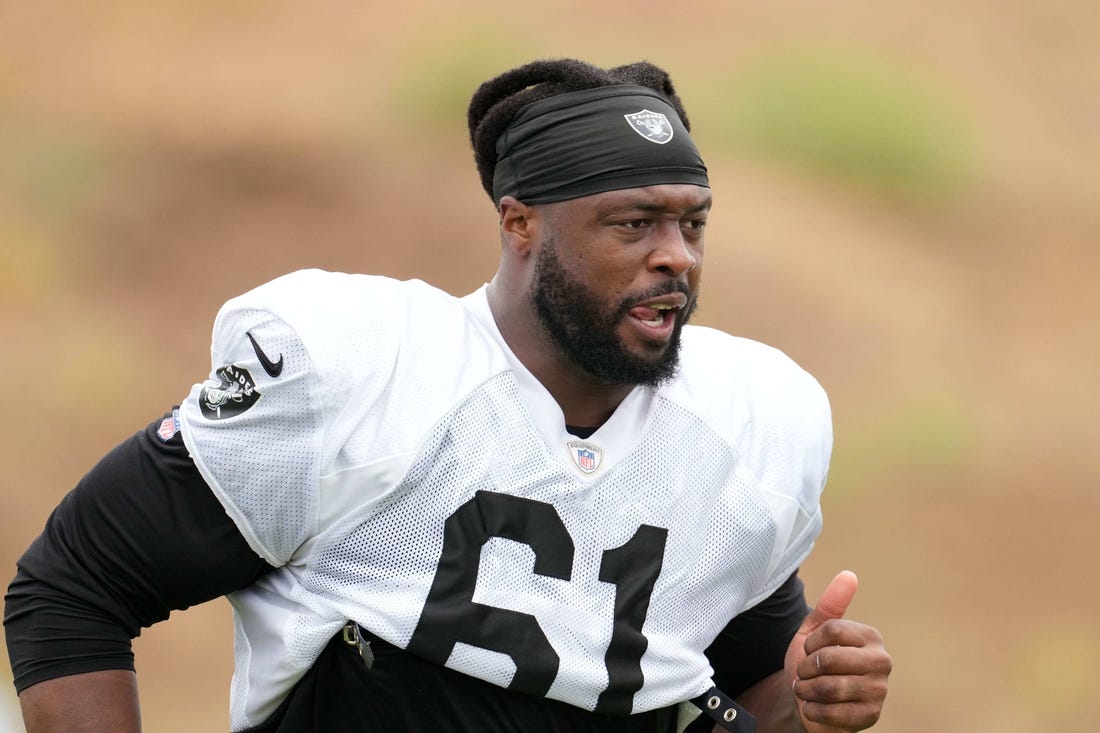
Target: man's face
x=617 y=276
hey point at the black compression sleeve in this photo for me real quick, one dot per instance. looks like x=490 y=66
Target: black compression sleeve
x=141 y=535
x=753 y=644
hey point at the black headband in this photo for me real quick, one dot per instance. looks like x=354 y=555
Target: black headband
x=595 y=140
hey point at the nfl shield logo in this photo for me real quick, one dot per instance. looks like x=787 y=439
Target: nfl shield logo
x=586 y=456
x=169 y=426
x=653 y=126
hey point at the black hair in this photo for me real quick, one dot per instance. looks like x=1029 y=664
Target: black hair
x=498 y=101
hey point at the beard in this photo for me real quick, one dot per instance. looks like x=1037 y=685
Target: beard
x=585 y=327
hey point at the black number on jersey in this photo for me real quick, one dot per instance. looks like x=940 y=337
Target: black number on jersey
x=633 y=568
x=450 y=615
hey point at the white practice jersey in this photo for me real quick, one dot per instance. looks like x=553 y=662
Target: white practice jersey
x=379 y=442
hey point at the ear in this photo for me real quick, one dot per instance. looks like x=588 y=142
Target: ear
x=517 y=225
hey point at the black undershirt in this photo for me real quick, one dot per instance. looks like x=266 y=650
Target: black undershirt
x=142 y=535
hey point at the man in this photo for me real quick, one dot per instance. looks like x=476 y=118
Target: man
x=546 y=506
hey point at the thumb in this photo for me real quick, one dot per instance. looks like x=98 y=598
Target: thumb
x=834 y=601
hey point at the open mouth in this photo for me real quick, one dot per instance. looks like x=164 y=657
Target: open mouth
x=655 y=315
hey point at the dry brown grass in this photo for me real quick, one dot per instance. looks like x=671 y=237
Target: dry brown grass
x=156 y=160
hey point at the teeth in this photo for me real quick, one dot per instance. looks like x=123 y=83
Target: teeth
x=657 y=308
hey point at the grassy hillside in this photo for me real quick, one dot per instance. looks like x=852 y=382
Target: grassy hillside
x=905 y=203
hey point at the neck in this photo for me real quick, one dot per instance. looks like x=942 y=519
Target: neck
x=584 y=400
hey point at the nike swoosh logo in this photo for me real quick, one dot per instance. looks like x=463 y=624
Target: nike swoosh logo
x=273 y=368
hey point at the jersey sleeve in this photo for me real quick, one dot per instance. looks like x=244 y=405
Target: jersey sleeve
x=794 y=444
x=255 y=428
x=780 y=425
x=300 y=367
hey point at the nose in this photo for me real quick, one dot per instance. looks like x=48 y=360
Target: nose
x=674 y=255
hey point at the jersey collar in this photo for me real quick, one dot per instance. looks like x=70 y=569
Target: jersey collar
x=615 y=438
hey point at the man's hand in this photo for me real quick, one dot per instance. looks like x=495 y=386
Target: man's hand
x=837 y=668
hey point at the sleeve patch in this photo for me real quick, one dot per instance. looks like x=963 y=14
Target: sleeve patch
x=235 y=392
x=169 y=426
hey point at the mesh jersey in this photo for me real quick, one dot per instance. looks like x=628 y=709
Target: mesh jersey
x=408 y=473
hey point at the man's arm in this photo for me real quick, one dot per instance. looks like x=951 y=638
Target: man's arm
x=754 y=644
x=747 y=657
x=84 y=703
x=141 y=535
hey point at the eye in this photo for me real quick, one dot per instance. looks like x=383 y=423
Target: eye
x=695 y=225
x=635 y=224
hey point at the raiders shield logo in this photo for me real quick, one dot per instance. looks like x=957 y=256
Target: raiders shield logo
x=235 y=392
x=653 y=126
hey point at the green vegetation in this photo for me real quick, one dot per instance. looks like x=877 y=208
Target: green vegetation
x=924 y=436
x=851 y=118
x=1053 y=668
x=28 y=262
x=52 y=171
x=435 y=91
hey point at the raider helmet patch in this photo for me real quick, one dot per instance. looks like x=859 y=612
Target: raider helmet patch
x=235 y=392
x=653 y=126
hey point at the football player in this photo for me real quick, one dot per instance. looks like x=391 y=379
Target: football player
x=550 y=505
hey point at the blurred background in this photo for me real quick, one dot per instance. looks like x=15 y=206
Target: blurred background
x=906 y=203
